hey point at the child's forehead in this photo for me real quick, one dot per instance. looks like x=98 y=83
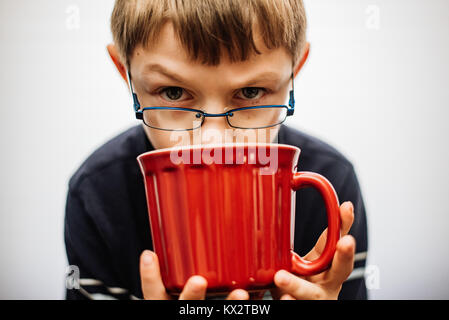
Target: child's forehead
x=167 y=52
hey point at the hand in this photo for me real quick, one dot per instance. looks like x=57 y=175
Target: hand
x=153 y=287
x=325 y=285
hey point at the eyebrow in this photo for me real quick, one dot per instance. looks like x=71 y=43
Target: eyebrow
x=263 y=76
x=162 y=70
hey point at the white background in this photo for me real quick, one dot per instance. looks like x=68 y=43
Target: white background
x=375 y=87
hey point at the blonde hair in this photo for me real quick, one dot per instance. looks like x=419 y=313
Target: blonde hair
x=207 y=27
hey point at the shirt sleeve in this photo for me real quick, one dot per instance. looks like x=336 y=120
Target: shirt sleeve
x=354 y=287
x=88 y=254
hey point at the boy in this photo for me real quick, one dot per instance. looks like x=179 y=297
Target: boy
x=213 y=56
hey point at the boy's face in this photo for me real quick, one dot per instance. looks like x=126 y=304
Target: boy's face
x=164 y=75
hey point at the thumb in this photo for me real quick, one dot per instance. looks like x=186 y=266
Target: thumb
x=150 y=276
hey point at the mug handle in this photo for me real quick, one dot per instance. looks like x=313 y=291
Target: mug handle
x=303 y=179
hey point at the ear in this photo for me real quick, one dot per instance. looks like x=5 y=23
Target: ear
x=303 y=58
x=113 y=53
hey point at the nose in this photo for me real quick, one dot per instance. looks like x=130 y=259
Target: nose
x=215 y=130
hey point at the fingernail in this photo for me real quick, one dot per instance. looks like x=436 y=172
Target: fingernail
x=242 y=294
x=147 y=258
x=283 y=278
x=351 y=206
x=199 y=283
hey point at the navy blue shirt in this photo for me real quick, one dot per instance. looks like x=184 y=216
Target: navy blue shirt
x=107 y=225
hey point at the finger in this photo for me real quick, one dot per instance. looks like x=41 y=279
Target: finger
x=287 y=297
x=296 y=287
x=150 y=277
x=342 y=264
x=238 y=294
x=194 y=289
x=347 y=218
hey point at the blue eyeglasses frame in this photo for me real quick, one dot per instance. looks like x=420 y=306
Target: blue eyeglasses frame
x=139 y=113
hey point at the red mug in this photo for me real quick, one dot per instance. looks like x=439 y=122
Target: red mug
x=225 y=213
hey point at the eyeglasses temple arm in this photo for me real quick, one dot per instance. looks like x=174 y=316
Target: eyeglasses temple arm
x=291 y=101
x=136 y=104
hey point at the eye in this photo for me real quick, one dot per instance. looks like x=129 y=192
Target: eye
x=252 y=93
x=172 y=93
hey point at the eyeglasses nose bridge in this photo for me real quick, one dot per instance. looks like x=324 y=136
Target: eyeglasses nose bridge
x=214 y=115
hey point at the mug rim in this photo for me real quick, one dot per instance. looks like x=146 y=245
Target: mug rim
x=220 y=145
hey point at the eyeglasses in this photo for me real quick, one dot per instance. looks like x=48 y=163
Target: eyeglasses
x=182 y=119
